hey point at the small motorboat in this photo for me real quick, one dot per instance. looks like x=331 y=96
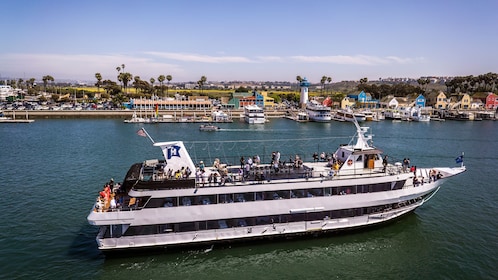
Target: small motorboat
x=208 y=127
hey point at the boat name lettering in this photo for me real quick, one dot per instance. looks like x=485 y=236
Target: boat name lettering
x=173 y=151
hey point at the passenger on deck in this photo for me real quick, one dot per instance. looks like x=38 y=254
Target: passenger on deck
x=323 y=156
x=178 y=174
x=187 y=172
x=201 y=165
x=249 y=161
x=113 y=203
x=257 y=160
x=315 y=156
x=384 y=163
x=298 y=162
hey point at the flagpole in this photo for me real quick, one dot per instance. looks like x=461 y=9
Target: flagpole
x=462 y=160
x=146 y=133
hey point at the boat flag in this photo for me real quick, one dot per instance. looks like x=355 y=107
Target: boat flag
x=141 y=132
x=459 y=159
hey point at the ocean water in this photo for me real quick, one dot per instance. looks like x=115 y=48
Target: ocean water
x=51 y=171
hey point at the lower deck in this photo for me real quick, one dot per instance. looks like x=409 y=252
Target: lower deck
x=122 y=236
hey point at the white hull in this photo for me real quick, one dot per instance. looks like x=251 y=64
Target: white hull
x=254 y=115
x=274 y=208
x=318 y=112
x=266 y=201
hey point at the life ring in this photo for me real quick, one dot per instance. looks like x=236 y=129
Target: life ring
x=350 y=162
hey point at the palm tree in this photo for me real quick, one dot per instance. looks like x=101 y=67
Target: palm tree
x=19 y=83
x=169 y=78
x=299 y=80
x=329 y=80
x=98 y=76
x=201 y=83
x=45 y=80
x=152 y=80
x=126 y=78
x=136 y=84
x=161 y=79
x=322 y=81
x=31 y=82
x=119 y=74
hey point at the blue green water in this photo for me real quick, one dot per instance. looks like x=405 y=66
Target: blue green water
x=51 y=171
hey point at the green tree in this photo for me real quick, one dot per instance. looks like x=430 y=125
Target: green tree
x=161 y=79
x=169 y=78
x=45 y=80
x=201 y=83
x=322 y=81
x=152 y=80
x=125 y=79
x=136 y=83
x=299 y=80
x=329 y=80
x=98 y=84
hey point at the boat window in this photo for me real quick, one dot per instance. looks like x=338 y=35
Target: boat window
x=186 y=201
x=259 y=195
x=165 y=228
x=359 y=158
x=316 y=192
x=284 y=194
x=398 y=185
x=190 y=226
x=239 y=197
x=225 y=198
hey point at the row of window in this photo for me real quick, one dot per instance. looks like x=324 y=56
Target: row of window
x=269 y=195
x=250 y=221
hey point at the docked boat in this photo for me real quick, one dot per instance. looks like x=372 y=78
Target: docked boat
x=392 y=114
x=349 y=115
x=137 y=119
x=254 y=114
x=175 y=202
x=208 y=127
x=219 y=116
x=369 y=115
x=318 y=112
x=418 y=115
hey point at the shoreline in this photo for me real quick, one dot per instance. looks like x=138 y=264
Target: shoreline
x=122 y=114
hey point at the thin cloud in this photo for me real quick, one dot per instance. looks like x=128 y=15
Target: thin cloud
x=270 y=59
x=190 y=57
x=352 y=60
x=83 y=66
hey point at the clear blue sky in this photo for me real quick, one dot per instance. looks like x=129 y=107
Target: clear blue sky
x=248 y=40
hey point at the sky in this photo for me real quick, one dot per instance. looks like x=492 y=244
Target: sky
x=271 y=40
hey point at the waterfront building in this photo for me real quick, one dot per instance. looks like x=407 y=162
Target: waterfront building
x=437 y=100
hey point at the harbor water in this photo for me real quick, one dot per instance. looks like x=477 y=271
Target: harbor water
x=52 y=170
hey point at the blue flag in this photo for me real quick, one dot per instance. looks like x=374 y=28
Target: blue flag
x=459 y=159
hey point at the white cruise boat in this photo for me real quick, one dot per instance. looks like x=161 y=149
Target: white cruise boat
x=318 y=112
x=158 y=208
x=349 y=115
x=253 y=114
x=392 y=114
